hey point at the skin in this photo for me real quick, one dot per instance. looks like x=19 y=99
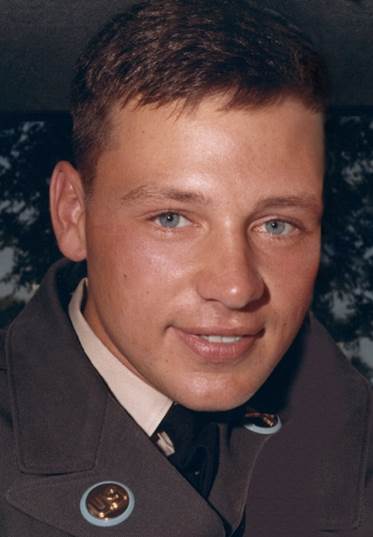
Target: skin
x=239 y=254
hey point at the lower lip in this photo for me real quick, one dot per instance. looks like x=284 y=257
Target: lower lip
x=217 y=352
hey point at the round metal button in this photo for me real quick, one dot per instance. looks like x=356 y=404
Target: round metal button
x=262 y=423
x=107 y=503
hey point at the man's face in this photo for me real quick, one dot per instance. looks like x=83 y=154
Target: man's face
x=202 y=241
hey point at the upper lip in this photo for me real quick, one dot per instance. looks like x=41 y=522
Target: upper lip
x=221 y=331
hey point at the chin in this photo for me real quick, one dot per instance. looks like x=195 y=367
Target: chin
x=213 y=402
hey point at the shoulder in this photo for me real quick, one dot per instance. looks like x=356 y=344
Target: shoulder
x=341 y=389
x=322 y=348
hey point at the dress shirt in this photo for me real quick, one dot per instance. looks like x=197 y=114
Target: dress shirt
x=145 y=404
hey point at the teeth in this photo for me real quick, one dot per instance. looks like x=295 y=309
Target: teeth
x=221 y=339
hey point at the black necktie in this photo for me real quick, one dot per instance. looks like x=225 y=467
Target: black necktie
x=195 y=439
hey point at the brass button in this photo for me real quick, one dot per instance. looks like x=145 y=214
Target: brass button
x=107 y=503
x=262 y=423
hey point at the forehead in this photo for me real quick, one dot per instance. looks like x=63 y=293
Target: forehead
x=133 y=120
x=169 y=142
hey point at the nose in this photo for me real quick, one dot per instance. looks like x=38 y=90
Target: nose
x=230 y=274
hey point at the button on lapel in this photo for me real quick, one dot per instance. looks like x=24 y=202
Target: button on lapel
x=107 y=504
x=126 y=455
x=262 y=423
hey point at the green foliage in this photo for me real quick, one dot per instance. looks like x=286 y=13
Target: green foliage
x=28 y=152
x=344 y=290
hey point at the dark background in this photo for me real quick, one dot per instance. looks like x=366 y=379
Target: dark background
x=40 y=40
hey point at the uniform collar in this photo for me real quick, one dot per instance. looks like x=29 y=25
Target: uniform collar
x=145 y=404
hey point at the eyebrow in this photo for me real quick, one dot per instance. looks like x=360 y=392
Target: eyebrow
x=151 y=192
x=305 y=201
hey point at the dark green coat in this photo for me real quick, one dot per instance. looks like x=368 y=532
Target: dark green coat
x=61 y=432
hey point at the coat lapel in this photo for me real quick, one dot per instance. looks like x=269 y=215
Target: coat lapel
x=239 y=449
x=165 y=503
x=314 y=470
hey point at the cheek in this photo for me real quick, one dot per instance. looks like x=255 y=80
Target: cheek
x=136 y=265
x=291 y=276
x=153 y=264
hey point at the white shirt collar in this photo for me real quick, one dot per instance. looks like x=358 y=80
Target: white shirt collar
x=145 y=404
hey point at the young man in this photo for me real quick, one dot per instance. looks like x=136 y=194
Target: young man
x=176 y=384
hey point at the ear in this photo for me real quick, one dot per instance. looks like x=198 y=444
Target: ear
x=67 y=206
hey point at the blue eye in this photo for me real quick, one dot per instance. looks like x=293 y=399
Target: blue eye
x=278 y=227
x=171 y=220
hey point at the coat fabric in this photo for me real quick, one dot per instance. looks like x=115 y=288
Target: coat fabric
x=61 y=432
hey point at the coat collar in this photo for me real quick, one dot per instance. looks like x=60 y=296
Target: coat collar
x=313 y=387
x=156 y=485
x=42 y=352
x=320 y=458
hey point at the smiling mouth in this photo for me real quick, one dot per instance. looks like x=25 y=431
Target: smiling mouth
x=221 y=339
x=218 y=348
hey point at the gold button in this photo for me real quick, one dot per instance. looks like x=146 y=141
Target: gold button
x=261 y=420
x=107 y=501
